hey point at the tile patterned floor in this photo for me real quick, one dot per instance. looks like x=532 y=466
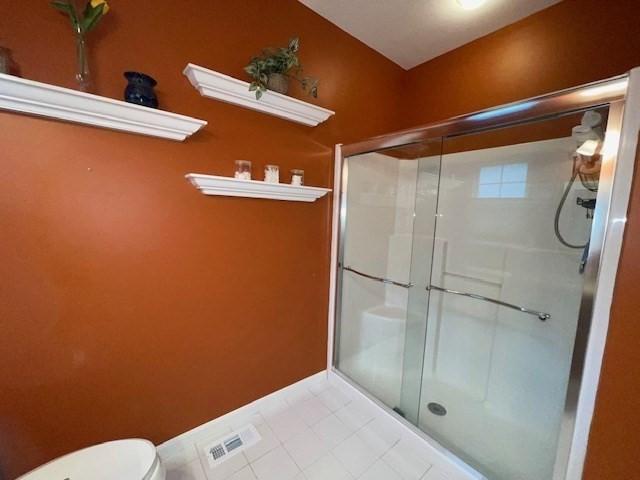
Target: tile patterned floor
x=317 y=431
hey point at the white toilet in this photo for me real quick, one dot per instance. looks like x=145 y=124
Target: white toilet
x=131 y=459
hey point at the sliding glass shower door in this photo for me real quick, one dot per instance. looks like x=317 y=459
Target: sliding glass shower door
x=505 y=295
x=384 y=323
x=461 y=281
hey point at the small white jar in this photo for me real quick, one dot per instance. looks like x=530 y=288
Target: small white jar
x=272 y=174
x=243 y=170
x=297 y=177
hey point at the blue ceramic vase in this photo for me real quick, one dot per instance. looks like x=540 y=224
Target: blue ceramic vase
x=140 y=90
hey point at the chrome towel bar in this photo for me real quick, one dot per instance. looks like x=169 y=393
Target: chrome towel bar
x=541 y=315
x=379 y=279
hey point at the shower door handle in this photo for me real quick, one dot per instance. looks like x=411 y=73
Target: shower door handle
x=541 y=315
x=378 y=279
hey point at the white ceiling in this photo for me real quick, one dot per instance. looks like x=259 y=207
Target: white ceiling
x=410 y=32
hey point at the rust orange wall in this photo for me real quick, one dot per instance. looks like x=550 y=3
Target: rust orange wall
x=571 y=43
x=614 y=443
x=124 y=293
x=130 y=304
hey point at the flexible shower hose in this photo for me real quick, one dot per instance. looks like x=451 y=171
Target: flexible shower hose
x=556 y=223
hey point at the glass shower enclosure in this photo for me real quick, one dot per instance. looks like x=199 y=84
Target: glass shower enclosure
x=467 y=261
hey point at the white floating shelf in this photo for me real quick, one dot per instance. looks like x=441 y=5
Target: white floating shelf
x=42 y=99
x=232 y=187
x=231 y=90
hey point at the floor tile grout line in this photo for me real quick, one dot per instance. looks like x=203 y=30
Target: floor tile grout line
x=278 y=441
x=340 y=463
x=204 y=473
x=395 y=470
x=291 y=407
x=293 y=459
x=255 y=475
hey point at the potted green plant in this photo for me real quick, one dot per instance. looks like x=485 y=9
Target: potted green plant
x=273 y=69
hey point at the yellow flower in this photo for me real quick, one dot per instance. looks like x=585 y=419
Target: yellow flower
x=97 y=3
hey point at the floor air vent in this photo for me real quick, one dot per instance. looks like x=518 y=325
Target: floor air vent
x=230 y=445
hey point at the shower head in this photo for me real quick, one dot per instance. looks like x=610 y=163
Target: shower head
x=583 y=133
x=591 y=119
x=589 y=130
x=588 y=141
x=589 y=148
x=588 y=137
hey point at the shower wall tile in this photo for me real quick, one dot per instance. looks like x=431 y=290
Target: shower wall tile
x=372 y=196
x=466 y=335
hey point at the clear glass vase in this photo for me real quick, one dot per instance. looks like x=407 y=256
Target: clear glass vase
x=83 y=75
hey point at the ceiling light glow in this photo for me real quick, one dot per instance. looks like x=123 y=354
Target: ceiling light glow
x=470 y=4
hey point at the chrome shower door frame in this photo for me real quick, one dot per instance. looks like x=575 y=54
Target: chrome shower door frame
x=608 y=228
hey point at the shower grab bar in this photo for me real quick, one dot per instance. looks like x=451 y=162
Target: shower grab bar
x=541 y=315
x=379 y=279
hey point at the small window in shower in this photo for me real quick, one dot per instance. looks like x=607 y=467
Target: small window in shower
x=503 y=181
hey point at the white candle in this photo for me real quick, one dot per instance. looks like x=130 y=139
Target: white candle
x=297 y=177
x=243 y=170
x=271 y=174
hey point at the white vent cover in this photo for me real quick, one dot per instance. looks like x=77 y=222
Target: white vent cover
x=222 y=449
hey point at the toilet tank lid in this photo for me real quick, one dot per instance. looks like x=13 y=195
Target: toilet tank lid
x=130 y=459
